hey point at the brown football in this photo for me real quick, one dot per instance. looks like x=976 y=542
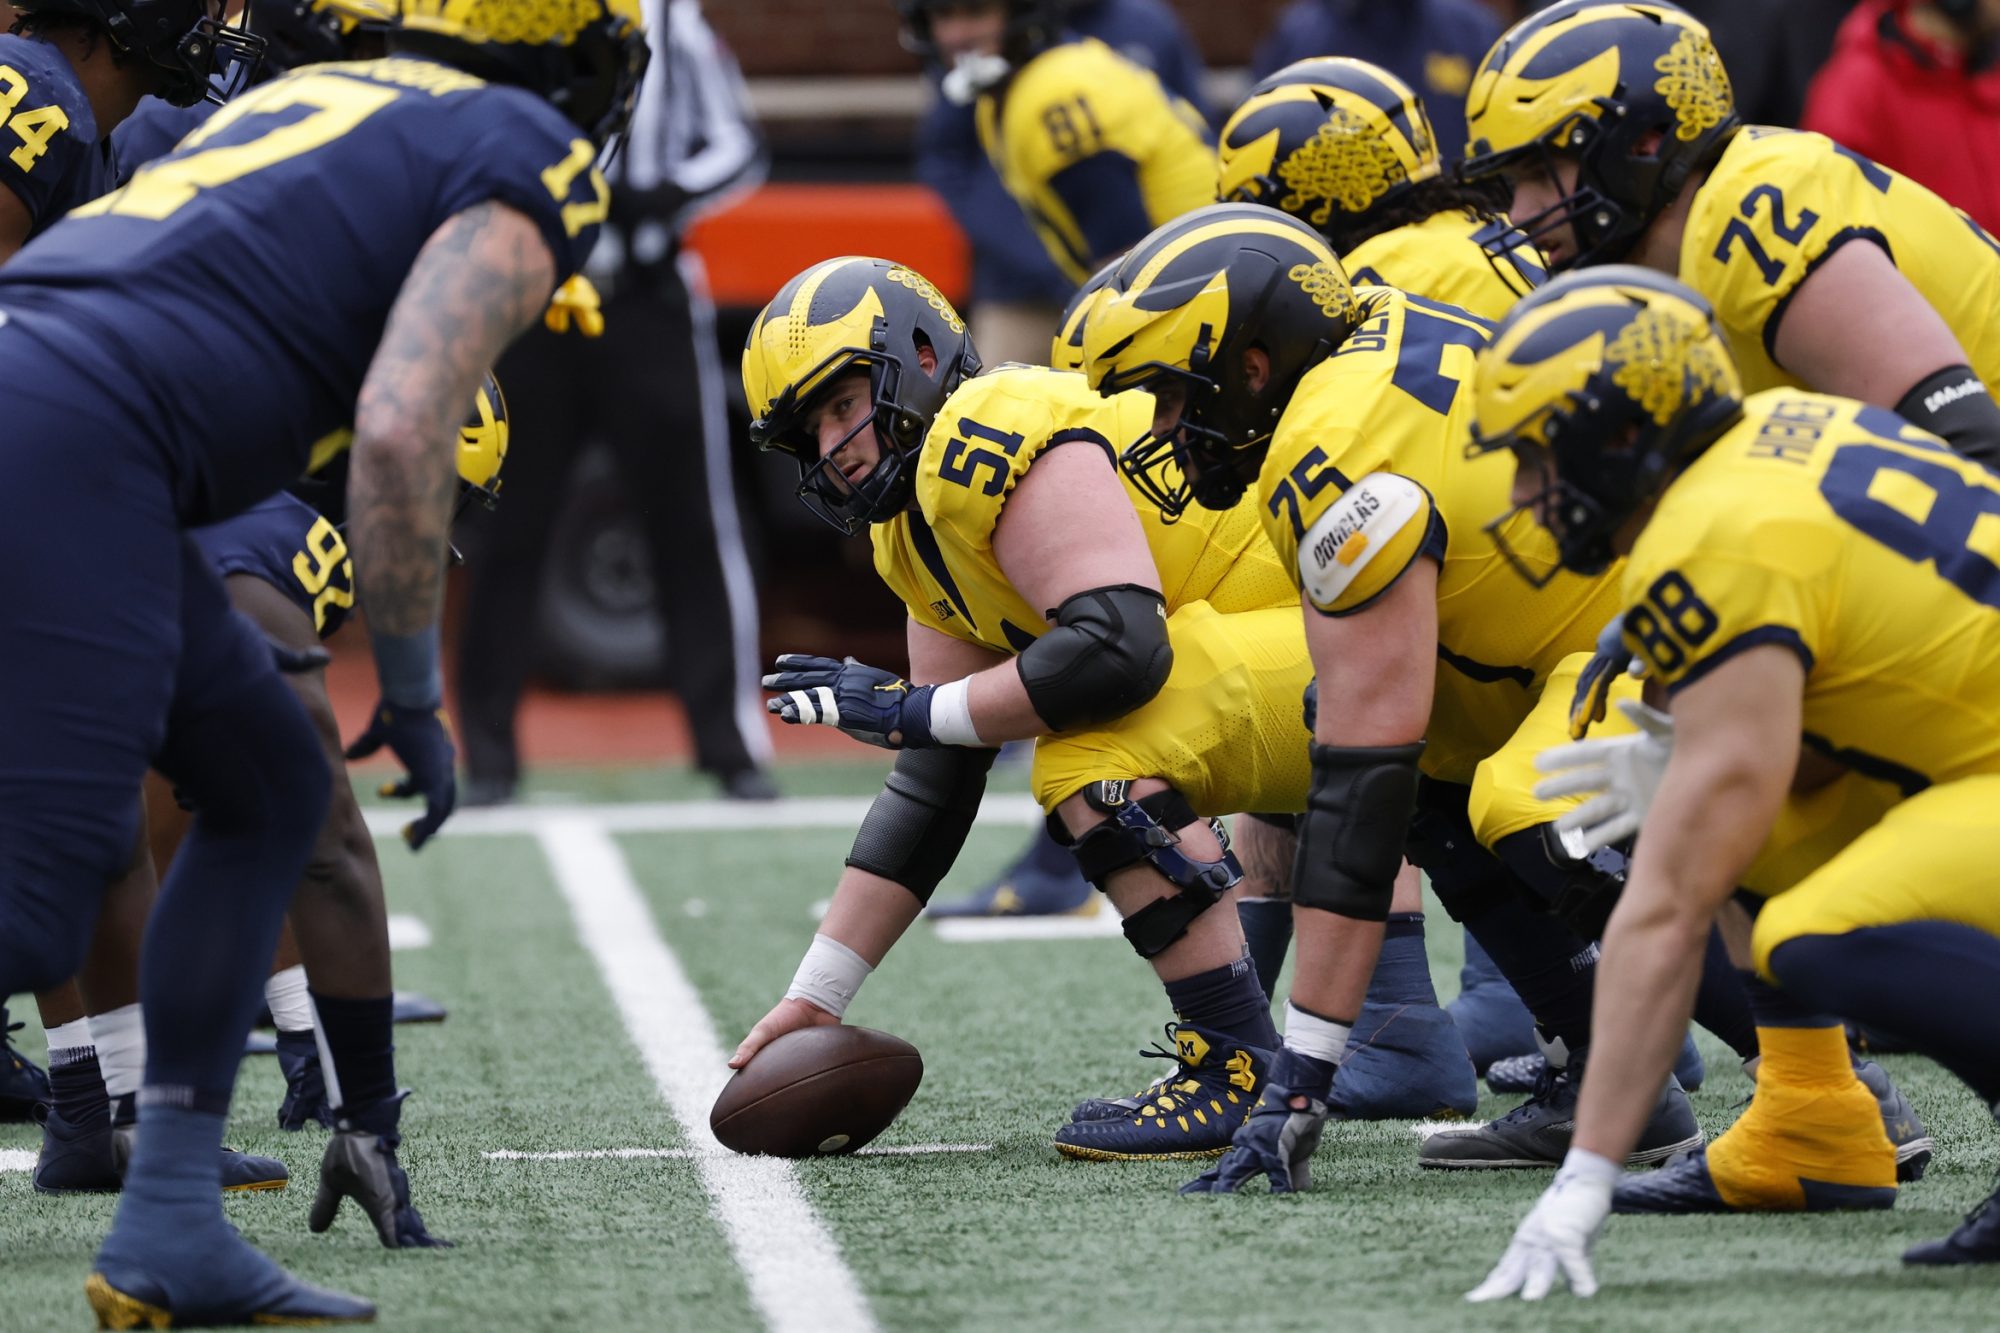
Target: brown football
x=816 y=1092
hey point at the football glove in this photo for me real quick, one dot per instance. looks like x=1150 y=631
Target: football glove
x=1620 y=774
x=1557 y=1235
x=1593 y=687
x=575 y=302
x=1281 y=1133
x=862 y=701
x=421 y=738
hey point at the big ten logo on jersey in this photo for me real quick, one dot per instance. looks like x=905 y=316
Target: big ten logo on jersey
x=1073 y=129
x=963 y=460
x=324 y=571
x=933 y=298
x=36 y=125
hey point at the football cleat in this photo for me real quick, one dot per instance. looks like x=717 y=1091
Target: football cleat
x=1490 y=1017
x=1914 y=1145
x=1799 y=1147
x=1522 y=1073
x=360 y=1164
x=1976 y=1241
x=1537 y=1132
x=75 y=1159
x=1191 y=1114
x=410 y=1006
x=1404 y=1062
x=1042 y=881
x=122 y=1296
x=305 y=1083
x=242 y=1172
x=23 y=1084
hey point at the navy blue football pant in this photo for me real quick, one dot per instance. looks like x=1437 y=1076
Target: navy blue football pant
x=121 y=651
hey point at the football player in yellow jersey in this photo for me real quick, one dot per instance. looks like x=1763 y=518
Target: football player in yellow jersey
x=1094 y=149
x=1345 y=147
x=1158 y=664
x=1347 y=410
x=1810 y=579
x=1615 y=127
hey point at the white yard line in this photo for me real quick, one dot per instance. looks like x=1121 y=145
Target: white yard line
x=17 y=1159
x=684 y=1154
x=794 y=1271
x=997 y=929
x=408 y=932
x=825 y=812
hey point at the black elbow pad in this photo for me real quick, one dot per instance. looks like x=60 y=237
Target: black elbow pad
x=1953 y=405
x=1107 y=655
x=915 y=828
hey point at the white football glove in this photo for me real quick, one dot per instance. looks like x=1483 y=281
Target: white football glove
x=1557 y=1234
x=1620 y=774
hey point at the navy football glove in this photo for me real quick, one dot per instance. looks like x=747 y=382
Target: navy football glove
x=1593 y=687
x=1311 y=702
x=1278 y=1138
x=865 y=702
x=421 y=738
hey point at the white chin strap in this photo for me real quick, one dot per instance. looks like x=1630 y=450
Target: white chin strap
x=972 y=74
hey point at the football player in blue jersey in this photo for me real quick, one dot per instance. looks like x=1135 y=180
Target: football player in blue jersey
x=253 y=246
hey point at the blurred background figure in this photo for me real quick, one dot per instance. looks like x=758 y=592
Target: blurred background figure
x=1772 y=49
x=653 y=389
x=1432 y=45
x=1017 y=291
x=1915 y=84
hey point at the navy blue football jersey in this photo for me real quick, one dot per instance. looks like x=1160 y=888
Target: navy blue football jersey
x=50 y=153
x=152 y=130
x=285 y=542
x=228 y=299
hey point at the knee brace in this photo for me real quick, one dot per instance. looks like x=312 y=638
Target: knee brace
x=1143 y=830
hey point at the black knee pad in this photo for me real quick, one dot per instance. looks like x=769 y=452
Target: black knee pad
x=1143 y=830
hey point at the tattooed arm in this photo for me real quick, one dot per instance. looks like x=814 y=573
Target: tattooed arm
x=481 y=278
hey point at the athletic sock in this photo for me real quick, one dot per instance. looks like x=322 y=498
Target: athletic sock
x=359 y=1037
x=1267 y=926
x=76 y=1085
x=1228 y=1000
x=289 y=999
x=70 y=1041
x=120 y=1037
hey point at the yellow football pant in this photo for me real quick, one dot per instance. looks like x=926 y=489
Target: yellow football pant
x=1503 y=798
x=1227 y=731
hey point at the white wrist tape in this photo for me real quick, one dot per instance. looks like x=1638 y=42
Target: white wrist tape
x=951 y=714
x=1309 y=1034
x=828 y=976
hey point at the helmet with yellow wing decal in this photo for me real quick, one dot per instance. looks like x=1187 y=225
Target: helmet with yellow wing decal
x=1602 y=384
x=1177 y=319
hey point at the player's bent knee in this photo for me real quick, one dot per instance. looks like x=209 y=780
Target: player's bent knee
x=1136 y=830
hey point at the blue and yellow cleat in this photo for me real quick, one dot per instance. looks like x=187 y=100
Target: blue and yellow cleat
x=242 y=1172
x=1191 y=1114
x=1687 y=1186
x=134 y=1301
x=1976 y=1241
x=1404 y=1062
x=23 y=1084
x=75 y=1159
x=1042 y=881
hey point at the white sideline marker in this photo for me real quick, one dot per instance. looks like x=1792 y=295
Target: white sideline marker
x=17 y=1159
x=796 y=812
x=683 y=1154
x=1100 y=924
x=407 y=932
x=791 y=1265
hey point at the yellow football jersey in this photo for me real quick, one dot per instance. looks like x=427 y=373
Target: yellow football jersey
x=1444 y=257
x=1865 y=546
x=1368 y=472
x=1779 y=201
x=1095 y=150
x=940 y=560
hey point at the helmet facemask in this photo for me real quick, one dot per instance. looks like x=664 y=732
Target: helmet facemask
x=845 y=504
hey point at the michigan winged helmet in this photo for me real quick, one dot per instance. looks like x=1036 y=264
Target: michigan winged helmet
x=1634 y=94
x=1177 y=319
x=586 y=57
x=842 y=315
x=1602 y=384
x=1329 y=140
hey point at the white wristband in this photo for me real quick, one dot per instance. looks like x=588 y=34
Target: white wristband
x=1309 y=1034
x=951 y=714
x=829 y=975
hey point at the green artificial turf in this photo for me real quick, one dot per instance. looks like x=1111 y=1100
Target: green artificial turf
x=535 y=1057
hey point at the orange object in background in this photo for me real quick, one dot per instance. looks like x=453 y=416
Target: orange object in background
x=755 y=245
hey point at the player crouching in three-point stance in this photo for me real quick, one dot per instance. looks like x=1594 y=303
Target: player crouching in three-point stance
x=1802 y=576
x=332 y=303
x=1159 y=665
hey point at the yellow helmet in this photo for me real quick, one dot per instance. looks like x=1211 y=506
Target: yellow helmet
x=1605 y=383
x=840 y=315
x=1594 y=81
x=1328 y=140
x=482 y=441
x=1182 y=309
x=1066 y=351
x=586 y=57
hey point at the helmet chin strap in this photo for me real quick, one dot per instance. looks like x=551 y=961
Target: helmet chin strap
x=972 y=74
